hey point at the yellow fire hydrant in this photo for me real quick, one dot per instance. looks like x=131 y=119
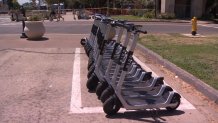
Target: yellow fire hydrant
x=194 y=26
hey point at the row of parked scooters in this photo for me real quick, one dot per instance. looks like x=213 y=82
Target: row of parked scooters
x=119 y=81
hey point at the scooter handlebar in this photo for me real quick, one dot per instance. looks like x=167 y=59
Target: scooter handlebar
x=122 y=24
x=142 y=31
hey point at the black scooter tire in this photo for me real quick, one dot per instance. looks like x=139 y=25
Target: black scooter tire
x=112 y=105
x=175 y=99
x=90 y=63
x=91 y=71
x=92 y=82
x=106 y=94
x=83 y=41
x=100 y=88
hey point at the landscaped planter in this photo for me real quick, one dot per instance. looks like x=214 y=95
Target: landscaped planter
x=34 y=29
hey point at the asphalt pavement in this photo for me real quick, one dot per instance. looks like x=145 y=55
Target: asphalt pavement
x=71 y=26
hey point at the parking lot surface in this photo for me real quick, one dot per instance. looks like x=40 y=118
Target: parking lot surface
x=45 y=81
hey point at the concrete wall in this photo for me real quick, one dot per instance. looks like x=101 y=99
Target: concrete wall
x=167 y=6
x=3 y=7
x=197 y=8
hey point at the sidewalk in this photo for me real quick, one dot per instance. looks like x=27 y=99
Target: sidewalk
x=52 y=40
x=69 y=17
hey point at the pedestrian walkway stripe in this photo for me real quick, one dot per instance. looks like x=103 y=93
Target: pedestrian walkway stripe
x=210 y=26
x=9 y=24
x=76 y=102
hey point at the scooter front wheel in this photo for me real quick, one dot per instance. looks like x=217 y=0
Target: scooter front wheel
x=83 y=41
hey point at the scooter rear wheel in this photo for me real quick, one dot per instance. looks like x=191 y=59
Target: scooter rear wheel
x=100 y=88
x=112 y=105
x=106 y=94
x=175 y=99
x=92 y=82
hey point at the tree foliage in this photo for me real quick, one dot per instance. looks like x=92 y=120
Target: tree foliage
x=55 y=1
x=99 y=3
x=13 y=4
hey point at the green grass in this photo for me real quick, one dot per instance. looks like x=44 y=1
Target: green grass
x=129 y=18
x=198 y=56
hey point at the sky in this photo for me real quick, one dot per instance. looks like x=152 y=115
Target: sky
x=23 y=1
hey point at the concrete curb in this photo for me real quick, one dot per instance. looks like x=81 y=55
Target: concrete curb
x=176 y=21
x=169 y=21
x=189 y=78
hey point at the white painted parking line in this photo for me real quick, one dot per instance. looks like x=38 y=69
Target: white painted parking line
x=210 y=26
x=76 y=102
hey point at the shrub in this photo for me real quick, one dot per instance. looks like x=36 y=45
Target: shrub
x=35 y=18
x=167 y=16
x=149 y=14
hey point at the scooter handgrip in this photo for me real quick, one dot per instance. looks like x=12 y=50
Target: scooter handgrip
x=116 y=23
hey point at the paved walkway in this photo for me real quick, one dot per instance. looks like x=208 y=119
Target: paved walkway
x=70 y=17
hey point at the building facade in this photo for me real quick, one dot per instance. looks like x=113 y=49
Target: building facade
x=182 y=8
x=3 y=6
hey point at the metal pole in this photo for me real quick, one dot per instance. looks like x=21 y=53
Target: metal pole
x=155 y=8
x=39 y=4
x=107 y=7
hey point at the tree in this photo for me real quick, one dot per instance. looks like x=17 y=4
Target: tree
x=10 y=4
x=69 y=3
x=211 y=7
x=33 y=3
x=13 y=4
x=54 y=1
x=28 y=6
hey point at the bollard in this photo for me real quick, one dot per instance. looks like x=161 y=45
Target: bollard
x=23 y=12
x=194 y=26
x=23 y=35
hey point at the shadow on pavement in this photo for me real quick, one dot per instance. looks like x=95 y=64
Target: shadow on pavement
x=41 y=39
x=154 y=116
